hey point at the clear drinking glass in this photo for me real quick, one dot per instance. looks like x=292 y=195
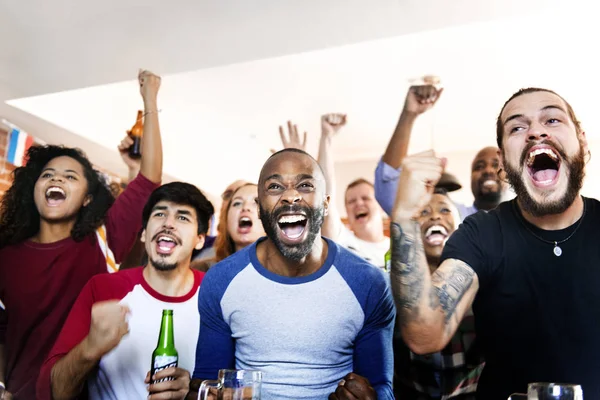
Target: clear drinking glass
x=550 y=391
x=232 y=385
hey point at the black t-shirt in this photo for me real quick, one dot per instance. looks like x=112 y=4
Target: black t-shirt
x=537 y=316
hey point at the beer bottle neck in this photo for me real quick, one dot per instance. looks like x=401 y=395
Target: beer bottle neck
x=166 y=339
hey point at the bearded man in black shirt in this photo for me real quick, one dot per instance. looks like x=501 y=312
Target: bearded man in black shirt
x=530 y=269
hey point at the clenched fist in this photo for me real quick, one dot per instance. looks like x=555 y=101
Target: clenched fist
x=332 y=123
x=149 y=85
x=108 y=326
x=421 y=98
x=354 y=387
x=420 y=173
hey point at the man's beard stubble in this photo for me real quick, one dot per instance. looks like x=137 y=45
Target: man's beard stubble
x=162 y=265
x=575 y=173
x=314 y=217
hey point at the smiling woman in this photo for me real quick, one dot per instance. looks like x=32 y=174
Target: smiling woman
x=52 y=177
x=57 y=222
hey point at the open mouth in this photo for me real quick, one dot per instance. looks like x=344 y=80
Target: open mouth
x=55 y=196
x=245 y=225
x=293 y=226
x=489 y=184
x=165 y=245
x=436 y=235
x=543 y=165
x=361 y=216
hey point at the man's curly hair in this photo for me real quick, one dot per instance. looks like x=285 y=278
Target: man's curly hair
x=19 y=216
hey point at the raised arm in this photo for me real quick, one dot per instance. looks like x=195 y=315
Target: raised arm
x=419 y=99
x=430 y=307
x=330 y=126
x=152 y=159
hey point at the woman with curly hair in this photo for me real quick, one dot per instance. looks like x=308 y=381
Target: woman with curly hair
x=58 y=222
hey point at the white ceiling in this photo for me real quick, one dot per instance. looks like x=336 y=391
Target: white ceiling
x=234 y=70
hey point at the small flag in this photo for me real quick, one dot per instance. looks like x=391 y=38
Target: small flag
x=18 y=144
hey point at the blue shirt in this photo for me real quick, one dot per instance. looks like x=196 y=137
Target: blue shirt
x=386 y=187
x=305 y=333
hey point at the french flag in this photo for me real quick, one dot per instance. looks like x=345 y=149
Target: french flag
x=18 y=144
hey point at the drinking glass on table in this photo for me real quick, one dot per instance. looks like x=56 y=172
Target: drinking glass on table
x=550 y=391
x=232 y=385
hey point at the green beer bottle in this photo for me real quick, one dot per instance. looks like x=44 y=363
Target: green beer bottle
x=165 y=355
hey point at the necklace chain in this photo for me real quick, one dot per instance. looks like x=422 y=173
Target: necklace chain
x=557 y=250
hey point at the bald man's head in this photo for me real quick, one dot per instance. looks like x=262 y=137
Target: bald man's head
x=292 y=201
x=486 y=184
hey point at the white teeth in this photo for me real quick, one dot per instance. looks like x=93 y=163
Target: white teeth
x=436 y=229
x=245 y=219
x=165 y=239
x=165 y=249
x=55 y=189
x=537 y=152
x=290 y=219
x=489 y=182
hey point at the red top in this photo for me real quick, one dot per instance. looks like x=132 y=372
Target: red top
x=122 y=371
x=40 y=282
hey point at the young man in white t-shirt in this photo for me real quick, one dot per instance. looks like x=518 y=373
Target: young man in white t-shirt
x=112 y=330
x=365 y=217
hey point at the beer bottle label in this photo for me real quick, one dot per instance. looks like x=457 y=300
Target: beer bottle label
x=163 y=362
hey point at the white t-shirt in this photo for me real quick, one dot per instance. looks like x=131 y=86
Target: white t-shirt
x=121 y=372
x=373 y=252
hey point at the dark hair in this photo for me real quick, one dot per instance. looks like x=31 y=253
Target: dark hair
x=224 y=245
x=185 y=194
x=441 y=190
x=289 y=150
x=500 y=125
x=19 y=216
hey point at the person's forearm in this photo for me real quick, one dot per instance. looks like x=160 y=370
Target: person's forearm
x=326 y=162
x=398 y=146
x=152 y=157
x=133 y=173
x=332 y=223
x=416 y=302
x=70 y=373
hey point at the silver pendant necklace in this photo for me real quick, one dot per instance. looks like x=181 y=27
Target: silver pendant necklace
x=557 y=250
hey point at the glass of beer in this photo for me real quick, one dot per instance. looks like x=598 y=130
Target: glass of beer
x=233 y=384
x=550 y=391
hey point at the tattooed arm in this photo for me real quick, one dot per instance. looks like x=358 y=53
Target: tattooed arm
x=429 y=307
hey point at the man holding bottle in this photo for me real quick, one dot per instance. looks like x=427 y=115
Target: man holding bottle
x=110 y=334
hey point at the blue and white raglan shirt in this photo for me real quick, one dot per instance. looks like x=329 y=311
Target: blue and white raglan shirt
x=304 y=333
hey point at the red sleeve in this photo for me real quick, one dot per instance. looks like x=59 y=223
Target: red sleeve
x=73 y=332
x=124 y=219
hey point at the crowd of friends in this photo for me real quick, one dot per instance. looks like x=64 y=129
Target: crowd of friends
x=462 y=301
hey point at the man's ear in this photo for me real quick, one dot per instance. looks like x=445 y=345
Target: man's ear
x=326 y=204
x=200 y=243
x=143 y=237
